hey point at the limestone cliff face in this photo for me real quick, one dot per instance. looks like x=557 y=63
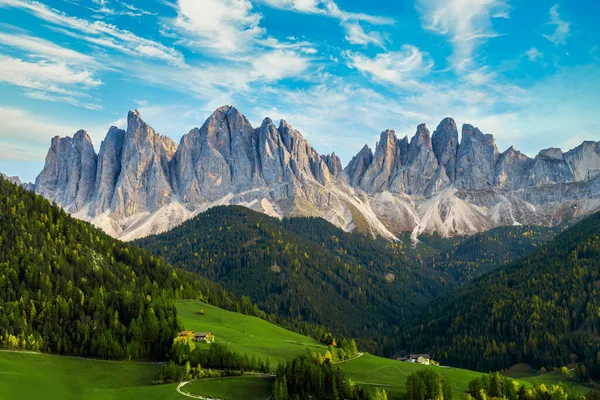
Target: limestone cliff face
x=69 y=173
x=142 y=183
x=445 y=146
x=475 y=159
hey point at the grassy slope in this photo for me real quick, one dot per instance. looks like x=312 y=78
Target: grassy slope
x=247 y=388
x=42 y=376
x=245 y=334
x=31 y=375
x=254 y=336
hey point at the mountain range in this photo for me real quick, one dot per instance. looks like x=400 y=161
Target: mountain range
x=142 y=183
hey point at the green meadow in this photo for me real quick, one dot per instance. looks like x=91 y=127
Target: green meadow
x=34 y=375
x=246 y=387
x=43 y=376
x=245 y=334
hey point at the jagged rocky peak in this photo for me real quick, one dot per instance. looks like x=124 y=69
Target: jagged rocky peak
x=511 y=169
x=445 y=146
x=476 y=159
x=584 y=160
x=107 y=171
x=305 y=162
x=334 y=164
x=357 y=167
x=549 y=167
x=552 y=152
x=69 y=172
x=143 y=184
x=216 y=159
x=419 y=172
x=421 y=139
x=389 y=152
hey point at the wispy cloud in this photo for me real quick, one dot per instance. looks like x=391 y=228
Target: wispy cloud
x=44 y=75
x=562 y=28
x=59 y=98
x=466 y=23
x=400 y=69
x=352 y=23
x=534 y=54
x=37 y=47
x=100 y=33
x=125 y=9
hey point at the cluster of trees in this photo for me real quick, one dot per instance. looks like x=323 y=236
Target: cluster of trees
x=540 y=309
x=173 y=372
x=498 y=386
x=493 y=385
x=68 y=288
x=218 y=355
x=303 y=270
x=344 y=350
x=305 y=377
x=427 y=384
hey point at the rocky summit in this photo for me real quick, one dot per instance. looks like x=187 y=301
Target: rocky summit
x=141 y=183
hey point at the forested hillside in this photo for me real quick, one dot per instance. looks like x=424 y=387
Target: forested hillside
x=543 y=309
x=473 y=256
x=68 y=288
x=304 y=269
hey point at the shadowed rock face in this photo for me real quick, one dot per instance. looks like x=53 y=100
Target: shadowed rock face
x=445 y=146
x=69 y=173
x=142 y=183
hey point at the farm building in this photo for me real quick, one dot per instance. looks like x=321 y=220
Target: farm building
x=424 y=359
x=206 y=337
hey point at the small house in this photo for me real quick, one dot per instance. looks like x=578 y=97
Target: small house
x=424 y=359
x=205 y=337
x=186 y=333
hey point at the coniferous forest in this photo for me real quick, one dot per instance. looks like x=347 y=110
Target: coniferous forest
x=543 y=309
x=68 y=288
x=303 y=269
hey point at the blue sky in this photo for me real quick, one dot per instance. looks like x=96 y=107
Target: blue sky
x=340 y=71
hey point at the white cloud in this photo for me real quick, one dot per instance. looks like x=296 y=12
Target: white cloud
x=40 y=47
x=467 y=23
x=350 y=22
x=534 y=54
x=221 y=26
x=59 y=98
x=44 y=75
x=401 y=69
x=355 y=34
x=279 y=64
x=562 y=28
x=99 y=33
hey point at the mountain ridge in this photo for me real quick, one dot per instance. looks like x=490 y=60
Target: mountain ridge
x=142 y=183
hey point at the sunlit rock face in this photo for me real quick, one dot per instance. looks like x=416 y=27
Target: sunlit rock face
x=142 y=183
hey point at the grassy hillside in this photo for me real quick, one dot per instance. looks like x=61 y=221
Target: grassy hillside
x=245 y=334
x=543 y=309
x=42 y=376
x=253 y=336
x=248 y=388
